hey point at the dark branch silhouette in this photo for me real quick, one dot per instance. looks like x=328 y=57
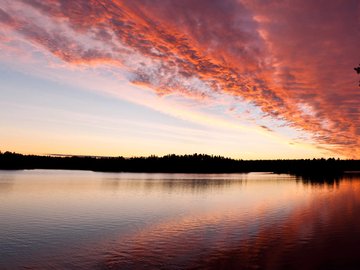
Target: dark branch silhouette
x=357 y=69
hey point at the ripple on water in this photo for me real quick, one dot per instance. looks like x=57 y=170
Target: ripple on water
x=162 y=221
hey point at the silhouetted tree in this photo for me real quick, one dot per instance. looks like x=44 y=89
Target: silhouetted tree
x=196 y=163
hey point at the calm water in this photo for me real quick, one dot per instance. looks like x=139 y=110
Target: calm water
x=71 y=219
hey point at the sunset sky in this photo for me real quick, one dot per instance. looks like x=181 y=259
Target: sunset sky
x=251 y=79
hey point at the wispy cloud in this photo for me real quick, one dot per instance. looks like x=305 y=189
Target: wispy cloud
x=291 y=59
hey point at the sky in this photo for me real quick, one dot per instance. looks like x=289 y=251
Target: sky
x=249 y=79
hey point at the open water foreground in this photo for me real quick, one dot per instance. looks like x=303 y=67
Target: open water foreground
x=53 y=219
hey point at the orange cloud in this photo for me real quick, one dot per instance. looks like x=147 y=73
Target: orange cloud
x=292 y=61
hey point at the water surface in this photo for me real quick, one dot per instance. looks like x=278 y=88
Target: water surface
x=75 y=219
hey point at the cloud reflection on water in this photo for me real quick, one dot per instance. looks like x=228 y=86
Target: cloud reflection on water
x=179 y=221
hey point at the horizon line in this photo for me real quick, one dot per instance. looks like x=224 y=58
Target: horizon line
x=162 y=156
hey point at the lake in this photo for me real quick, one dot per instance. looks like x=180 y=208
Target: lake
x=52 y=219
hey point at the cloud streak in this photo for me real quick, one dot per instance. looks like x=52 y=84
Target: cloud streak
x=291 y=59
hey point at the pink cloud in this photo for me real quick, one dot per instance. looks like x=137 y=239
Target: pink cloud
x=281 y=56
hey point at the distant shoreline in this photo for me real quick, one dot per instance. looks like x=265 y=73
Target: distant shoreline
x=196 y=163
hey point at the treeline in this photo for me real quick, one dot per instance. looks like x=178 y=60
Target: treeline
x=196 y=163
